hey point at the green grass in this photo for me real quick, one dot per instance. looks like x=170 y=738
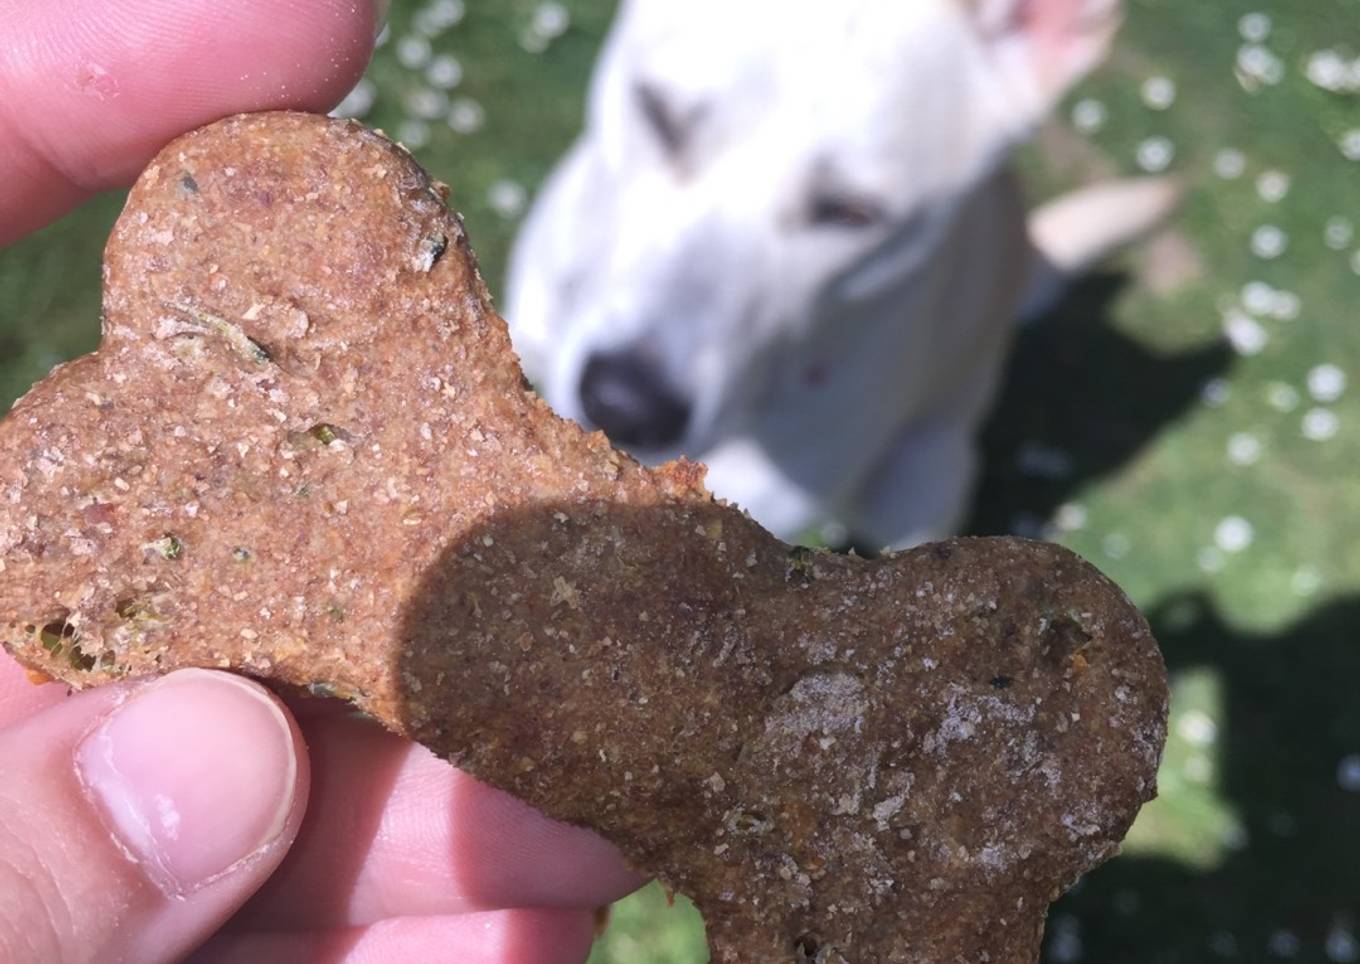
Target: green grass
x=1253 y=851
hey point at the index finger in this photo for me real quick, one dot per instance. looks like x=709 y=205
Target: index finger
x=393 y=831
x=93 y=88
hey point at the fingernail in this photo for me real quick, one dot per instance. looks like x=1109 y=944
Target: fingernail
x=195 y=774
x=380 y=8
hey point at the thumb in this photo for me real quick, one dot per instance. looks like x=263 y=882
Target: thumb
x=135 y=819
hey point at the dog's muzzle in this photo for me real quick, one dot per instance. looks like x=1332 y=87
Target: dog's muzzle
x=629 y=398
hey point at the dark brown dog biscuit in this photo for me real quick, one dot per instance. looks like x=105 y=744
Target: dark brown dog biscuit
x=304 y=451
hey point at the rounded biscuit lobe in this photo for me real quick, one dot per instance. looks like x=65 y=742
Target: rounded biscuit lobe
x=304 y=451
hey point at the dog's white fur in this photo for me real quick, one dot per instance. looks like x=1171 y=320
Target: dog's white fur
x=802 y=211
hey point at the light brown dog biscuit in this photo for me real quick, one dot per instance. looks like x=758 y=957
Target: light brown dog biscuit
x=304 y=451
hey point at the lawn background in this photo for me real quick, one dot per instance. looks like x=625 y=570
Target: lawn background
x=1211 y=476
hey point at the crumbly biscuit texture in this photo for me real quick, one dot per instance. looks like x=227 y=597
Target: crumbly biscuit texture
x=305 y=451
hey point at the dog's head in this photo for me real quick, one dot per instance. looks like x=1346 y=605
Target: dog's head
x=754 y=170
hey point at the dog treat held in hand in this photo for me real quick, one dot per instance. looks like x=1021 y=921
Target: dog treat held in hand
x=304 y=451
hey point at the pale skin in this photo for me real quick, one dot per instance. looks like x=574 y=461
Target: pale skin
x=202 y=816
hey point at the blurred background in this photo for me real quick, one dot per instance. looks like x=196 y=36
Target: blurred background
x=1186 y=419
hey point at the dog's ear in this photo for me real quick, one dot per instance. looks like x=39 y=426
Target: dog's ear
x=1053 y=42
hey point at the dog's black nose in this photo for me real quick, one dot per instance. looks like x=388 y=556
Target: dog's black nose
x=626 y=396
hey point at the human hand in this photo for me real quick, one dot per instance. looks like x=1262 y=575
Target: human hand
x=137 y=820
x=93 y=88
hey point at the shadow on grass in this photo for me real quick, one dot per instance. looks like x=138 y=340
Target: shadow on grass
x=1080 y=399
x=1291 y=888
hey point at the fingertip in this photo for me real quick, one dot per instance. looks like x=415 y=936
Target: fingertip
x=198 y=775
x=94 y=89
x=156 y=807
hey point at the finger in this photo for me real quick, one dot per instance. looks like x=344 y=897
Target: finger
x=19 y=696
x=492 y=937
x=393 y=831
x=93 y=88
x=135 y=819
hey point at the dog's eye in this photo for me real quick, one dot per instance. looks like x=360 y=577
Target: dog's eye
x=844 y=211
x=670 y=125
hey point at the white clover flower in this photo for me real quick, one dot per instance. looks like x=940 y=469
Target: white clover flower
x=1282 y=397
x=1233 y=534
x=413 y=52
x=1088 y=115
x=1155 y=154
x=1268 y=242
x=413 y=133
x=1338 y=233
x=1254 y=27
x=1272 y=186
x=1159 y=93
x=1246 y=335
x=507 y=198
x=1244 y=449
x=1230 y=164
x=1320 y=424
x=1326 y=382
x=445 y=72
x=466 y=116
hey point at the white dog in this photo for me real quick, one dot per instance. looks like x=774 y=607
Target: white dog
x=788 y=244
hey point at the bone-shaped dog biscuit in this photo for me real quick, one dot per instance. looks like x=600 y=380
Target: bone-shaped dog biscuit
x=304 y=451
